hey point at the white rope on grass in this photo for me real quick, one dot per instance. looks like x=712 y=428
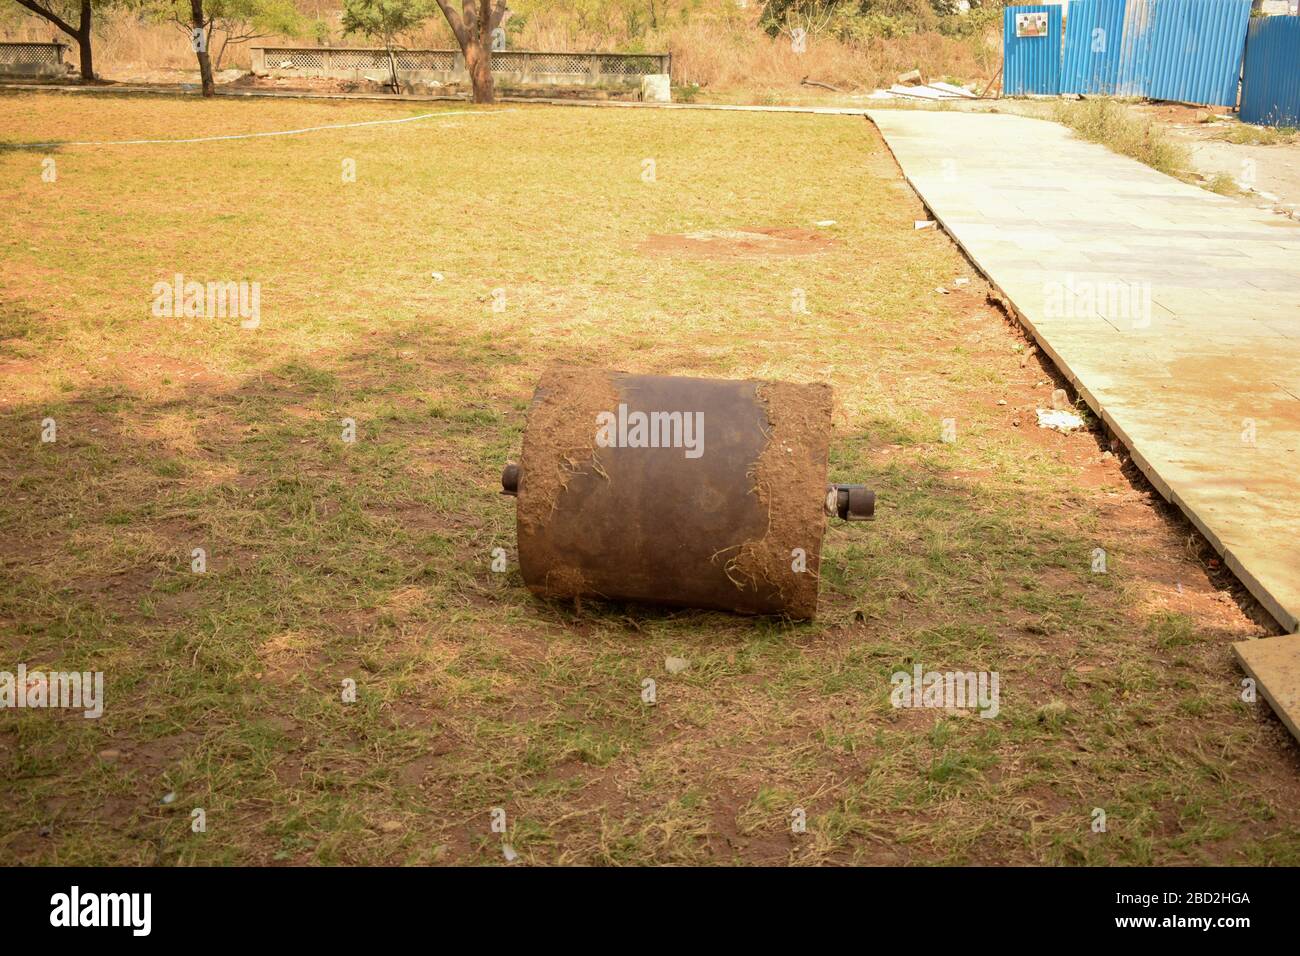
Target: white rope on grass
x=277 y=132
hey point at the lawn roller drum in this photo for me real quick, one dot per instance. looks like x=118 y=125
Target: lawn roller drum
x=694 y=492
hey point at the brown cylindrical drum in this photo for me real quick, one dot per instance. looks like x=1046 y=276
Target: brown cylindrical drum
x=681 y=491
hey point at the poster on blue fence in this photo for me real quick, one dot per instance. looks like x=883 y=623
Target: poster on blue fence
x=1031 y=24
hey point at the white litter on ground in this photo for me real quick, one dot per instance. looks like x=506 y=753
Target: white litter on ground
x=923 y=224
x=930 y=91
x=917 y=92
x=675 y=665
x=1059 y=419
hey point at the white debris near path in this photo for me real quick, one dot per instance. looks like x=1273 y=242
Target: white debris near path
x=1060 y=419
x=930 y=91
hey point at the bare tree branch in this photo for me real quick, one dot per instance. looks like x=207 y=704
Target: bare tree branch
x=50 y=15
x=454 y=21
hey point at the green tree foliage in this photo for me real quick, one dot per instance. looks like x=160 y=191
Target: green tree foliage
x=385 y=21
x=231 y=22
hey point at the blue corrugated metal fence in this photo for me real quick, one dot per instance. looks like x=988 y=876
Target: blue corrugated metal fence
x=1134 y=47
x=1094 y=32
x=1196 y=48
x=1185 y=50
x=1270 y=89
x=1031 y=64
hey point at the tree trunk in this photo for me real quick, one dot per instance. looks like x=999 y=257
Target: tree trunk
x=478 y=61
x=473 y=31
x=201 y=36
x=392 y=67
x=83 y=44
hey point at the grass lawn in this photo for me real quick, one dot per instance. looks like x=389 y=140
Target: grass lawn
x=372 y=560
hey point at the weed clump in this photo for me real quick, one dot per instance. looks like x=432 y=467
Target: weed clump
x=1111 y=124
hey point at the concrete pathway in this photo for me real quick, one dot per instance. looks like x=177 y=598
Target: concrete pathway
x=1175 y=312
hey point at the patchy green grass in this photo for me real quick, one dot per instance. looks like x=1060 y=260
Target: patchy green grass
x=371 y=561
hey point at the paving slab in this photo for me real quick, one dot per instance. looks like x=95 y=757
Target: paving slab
x=1174 y=312
x=1274 y=664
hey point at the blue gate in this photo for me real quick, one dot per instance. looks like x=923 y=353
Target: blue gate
x=1094 y=33
x=1031 y=50
x=1270 y=90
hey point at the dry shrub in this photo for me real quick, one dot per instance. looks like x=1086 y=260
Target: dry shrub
x=749 y=59
x=722 y=52
x=126 y=42
x=1111 y=124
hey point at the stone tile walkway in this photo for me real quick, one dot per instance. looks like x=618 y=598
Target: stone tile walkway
x=1175 y=312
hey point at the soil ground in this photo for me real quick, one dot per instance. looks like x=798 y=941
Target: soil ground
x=1263 y=163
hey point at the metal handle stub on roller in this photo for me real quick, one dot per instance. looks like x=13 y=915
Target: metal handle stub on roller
x=691 y=492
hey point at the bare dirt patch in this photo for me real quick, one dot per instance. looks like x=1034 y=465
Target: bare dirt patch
x=158 y=370
x=739 y=243
x=1181 y=112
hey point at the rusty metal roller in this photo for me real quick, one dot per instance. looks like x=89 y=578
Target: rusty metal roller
x=681 y=491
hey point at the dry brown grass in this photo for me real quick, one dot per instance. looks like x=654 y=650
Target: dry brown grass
x=749 y=59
